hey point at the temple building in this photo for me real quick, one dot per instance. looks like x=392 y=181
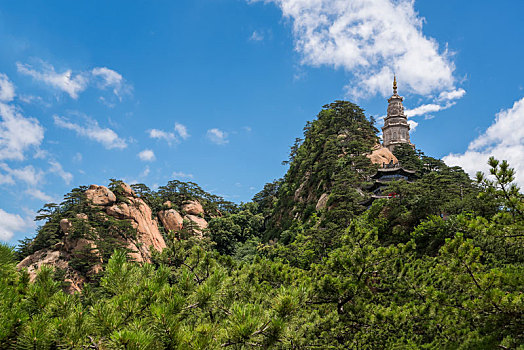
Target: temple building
x=394 y=132
x=396 y=128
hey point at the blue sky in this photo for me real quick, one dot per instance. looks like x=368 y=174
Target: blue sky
x=215 y=91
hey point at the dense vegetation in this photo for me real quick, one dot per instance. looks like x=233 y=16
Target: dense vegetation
x=439 y=266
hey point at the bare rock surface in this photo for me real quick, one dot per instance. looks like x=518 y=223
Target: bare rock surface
x=56 y=257
x=193 y=208
x=200 y=224
x=322 y=201
x=65 y=226
x=100 y=195
x=171 y=219
x=140 y=215
x=382 y=155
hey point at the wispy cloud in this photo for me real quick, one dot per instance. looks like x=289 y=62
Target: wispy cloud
x=75 y=83
x=147 y=155
x=217 y=136
x=146 y=172
x=427 y=108
x=256 y=36
x=504 y=139
x=56 y=168
x=181 y=175
x=451 y=95
x=38 y=194
x=17 y=133
x=105 y=136
x=181 y=130
x=28 y=174
x=171 y=137
x=7 y=89
x=108 y=78
x=72 y=84
x=12 y=223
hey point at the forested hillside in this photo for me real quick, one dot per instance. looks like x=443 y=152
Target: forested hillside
x=308 y=264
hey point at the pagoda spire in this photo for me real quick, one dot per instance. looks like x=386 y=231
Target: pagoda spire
x=394 y=84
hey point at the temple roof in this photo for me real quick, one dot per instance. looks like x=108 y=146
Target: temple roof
x=397 y=170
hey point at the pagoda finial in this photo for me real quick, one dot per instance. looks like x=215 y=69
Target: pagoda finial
x=394 y=84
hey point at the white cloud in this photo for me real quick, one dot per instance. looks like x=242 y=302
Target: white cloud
x=74 y=84
x=109 y=78
x=181 y=130
x=504 y=139
x=12 y=223
x=27 y=174
x=17 y=133
x=256 y=36
x=412 y=125
x=451 y=95
x=66 y=81
x=427 y=108
x=105 y=136
x=372 y=39
x=181 y=175
x=7 y=89
x=169 y=137
x=56 y=168
x=40 y=195
x=147 y=155
x=217 y=136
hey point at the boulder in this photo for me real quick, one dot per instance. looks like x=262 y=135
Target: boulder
x=82 y=216
x=128 y=191
x=100 y=195
x=171 y=219
x=200 y=224
x=65 y=226
x=382 y=155
x=193 y=208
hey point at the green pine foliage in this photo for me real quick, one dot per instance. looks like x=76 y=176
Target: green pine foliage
x=440 y=265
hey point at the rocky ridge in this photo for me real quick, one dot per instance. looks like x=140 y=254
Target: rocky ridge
x=125 y=206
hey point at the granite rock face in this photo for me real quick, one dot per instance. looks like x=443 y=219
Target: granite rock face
x=100 y=195
x=193 y=208
x=382 y=155
x=140 y=216
x=198 y=224
x=171 y=220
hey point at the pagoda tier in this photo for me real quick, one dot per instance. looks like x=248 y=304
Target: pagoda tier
x=396 y=128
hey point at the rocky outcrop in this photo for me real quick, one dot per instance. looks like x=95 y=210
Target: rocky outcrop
x=381 y=155
x=133 y=209
x=140 y=216
x=100 y=195
x=59 y=256
x=171 y=220
x=197 y=224
x=65 y=226
x=193 y=208
x=322 y=201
